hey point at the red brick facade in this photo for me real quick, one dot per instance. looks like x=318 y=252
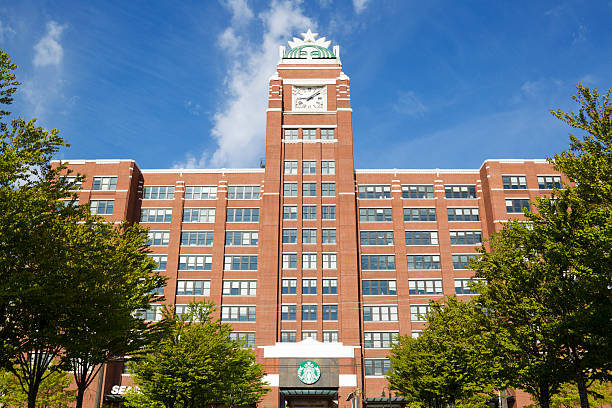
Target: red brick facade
x=418 y=242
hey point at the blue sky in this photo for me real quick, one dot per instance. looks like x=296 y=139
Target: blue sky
x=443 y=83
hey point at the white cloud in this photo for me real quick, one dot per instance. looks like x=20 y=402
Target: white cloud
x=580 y=35
x=360 y=5
x=6 y=31
x=241 y=13
x=194 y=108
x=49 y=51
x=409 y=104
x=239 y=126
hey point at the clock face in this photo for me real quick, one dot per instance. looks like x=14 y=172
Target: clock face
x=309 y=98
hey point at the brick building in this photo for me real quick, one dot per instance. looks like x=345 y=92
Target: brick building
x=316 y=264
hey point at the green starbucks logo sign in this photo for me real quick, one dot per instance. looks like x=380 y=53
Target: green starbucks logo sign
x=309 y=372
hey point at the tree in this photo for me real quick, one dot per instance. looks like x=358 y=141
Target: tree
x=69 y=282
x=549 y=280
x=53 y=392
x=600 y=395
x=454 y=361
x=196 y=365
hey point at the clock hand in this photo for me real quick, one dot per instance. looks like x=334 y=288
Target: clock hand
x=313 y=95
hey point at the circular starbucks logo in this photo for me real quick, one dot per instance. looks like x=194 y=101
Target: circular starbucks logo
x=309 y=372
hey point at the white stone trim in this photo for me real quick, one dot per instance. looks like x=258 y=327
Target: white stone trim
x=347 y=380
x=309 y=81
x=308 y=126
x=309 y=348
x=416 y=171
x=214 y=171
x=272 y=380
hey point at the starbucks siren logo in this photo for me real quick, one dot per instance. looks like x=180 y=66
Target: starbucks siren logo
x=309 y=372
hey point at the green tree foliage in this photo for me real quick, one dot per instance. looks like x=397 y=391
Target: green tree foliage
x=53 y=392
x=600 y=395
x=68 y=281
x=454 y=361
x=196 y=365
x=550 y=279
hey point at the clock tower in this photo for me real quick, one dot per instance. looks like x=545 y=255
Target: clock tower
x=309 y=226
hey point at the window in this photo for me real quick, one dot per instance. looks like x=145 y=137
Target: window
x=291 y=167
x=158 y=291
x=462 y=261
x=327 y=134
x=239 y=288
x=329 y=236
x=248 y=338
x=71 y=180
x=375 y=215
x=465 y=237
x=193 y=288
x=101 y=207
x=238 y=313
x=549 y=182
x=380 y=313
x=460 y=191
x=328 y=167
x=309 y=134
x=104 y=183
x=309 y=335
x=425 y=287
x=291 y=134
x=309 y=286
x=309 y=167
x=418 y=313
x=240 y=263
x=195 y=262
x=421 y=238
x=330 y=312
x=330 y=261
x=289 y=261
x=309 y=212
x=420 y=192
x=309 y=236
x=243 y=193
x=378 y=366
x=289 y=236
x=155 y=215
x=464 y=287
x=158 y=193
x=379 y=339
x=309 y=189
x=330 y=337
x=463 y=214
x=423 y=261
x=200 y=192
x=309 y=312
x=158 y=238
x=289 y=212
x=377 y=262
x=289 y=286
x=514 y=182
x=515 y=206
x=288 y=337
x=243 y=215
x=378 y=287
x=288 y=312
x=309 y=261
x=160 y=261
x=376 y=237
x=416 y=334
x=241 y=238
x=328 y=212
x=374 y=191
x=330 y=286
x=152 y=314
x=199 y=215
x=196 y=238
x=290 y=189
x=419 y=214
x=328 y=189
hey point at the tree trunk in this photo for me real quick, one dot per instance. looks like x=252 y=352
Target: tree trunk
x=580 y=381
x=79 y=397
x=32 y=394
x=544 y=398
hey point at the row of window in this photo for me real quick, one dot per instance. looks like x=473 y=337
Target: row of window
x=248 y=287
x=418 y=214
x=308 y=134
x=309 y=236
x=309 y=260
x=309 y=189
x=309 y=212
x=520 y=182
x=309 y=167
x=309 y=312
